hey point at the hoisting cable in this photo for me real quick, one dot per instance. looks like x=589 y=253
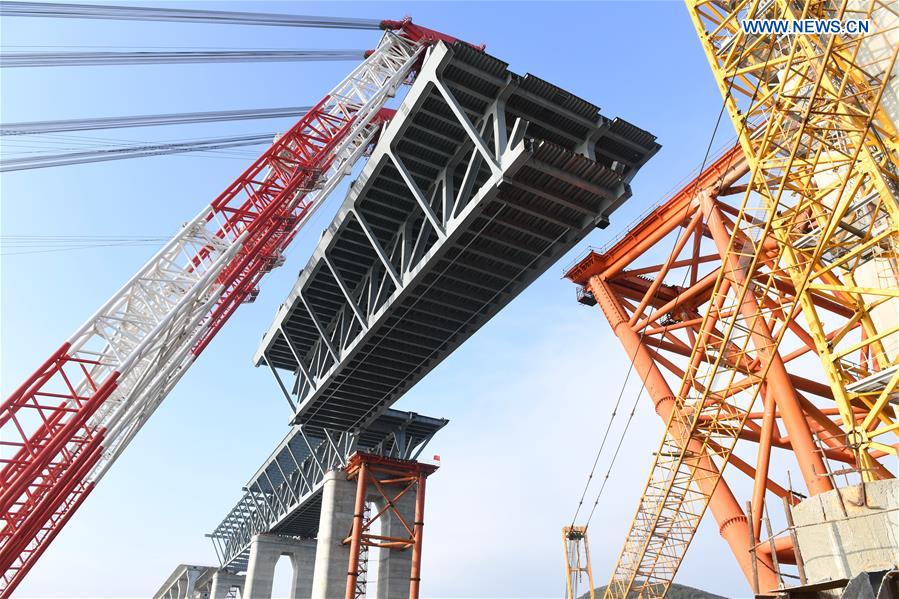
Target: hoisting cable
x=182 y=15
x=76 y=59
x=705 y=160
x=137 y=151
x=17 y=245
x=148 y=120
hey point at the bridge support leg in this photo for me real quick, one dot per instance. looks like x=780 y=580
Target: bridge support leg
x=224 y=583
x=265 y=551
x=396 y=488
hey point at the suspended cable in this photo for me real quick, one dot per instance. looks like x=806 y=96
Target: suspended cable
x=142 y=13
x=76 y=59
x=17 y=245
x=139 y=151
x=148 y=120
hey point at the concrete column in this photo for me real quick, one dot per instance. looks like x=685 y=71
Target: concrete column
x=394 y=567
x=222 y=582
x=335 y=523
x=265 y=551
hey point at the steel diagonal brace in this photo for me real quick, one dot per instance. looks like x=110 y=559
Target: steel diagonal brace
x=376 y=246
x=417 y=194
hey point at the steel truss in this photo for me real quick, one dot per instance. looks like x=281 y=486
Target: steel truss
x=285 y=494
x=461 y=205
x=392 y=480
x=63 y=428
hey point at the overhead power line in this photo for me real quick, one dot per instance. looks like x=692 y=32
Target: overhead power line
x=148 y=120
x=140 y=13
x=137 y=151
x=71 y=59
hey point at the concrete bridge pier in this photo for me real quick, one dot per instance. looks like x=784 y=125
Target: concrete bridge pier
x=335 y=522
x=223 y=583
x=394 y=567
x=265 y=551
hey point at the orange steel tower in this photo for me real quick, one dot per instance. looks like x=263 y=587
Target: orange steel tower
x=391 y=480
x=654 y=291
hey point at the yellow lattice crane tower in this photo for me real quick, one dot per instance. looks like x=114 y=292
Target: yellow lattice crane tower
x=811 y=252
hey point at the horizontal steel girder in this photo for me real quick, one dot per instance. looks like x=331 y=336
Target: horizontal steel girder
x=482 y=180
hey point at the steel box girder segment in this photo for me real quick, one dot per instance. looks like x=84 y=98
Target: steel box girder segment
x=459 y=131
x=184 y=581
x=284 y=495
x=142 y=338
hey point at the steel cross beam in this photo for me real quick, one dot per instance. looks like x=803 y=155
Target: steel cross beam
x=482 y=181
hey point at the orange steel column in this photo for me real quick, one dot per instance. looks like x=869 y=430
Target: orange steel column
x=732 y=522
x=388 y=480
x=356 y=535
x=811 y=463
x=418 y=529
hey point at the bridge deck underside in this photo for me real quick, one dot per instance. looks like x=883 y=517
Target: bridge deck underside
x=481 y=182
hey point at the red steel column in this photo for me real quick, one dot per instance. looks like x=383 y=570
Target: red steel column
x=418 y=529
x=778 y=380
x=732 y=523
x=356 y=536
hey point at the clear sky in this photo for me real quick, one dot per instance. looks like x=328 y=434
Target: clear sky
x=528 y=396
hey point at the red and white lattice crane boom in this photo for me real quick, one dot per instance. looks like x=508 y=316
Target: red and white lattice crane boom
x=62 y=429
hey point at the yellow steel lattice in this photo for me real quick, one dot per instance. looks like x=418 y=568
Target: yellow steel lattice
x=819 y=204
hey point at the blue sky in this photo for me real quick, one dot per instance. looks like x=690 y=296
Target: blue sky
x=528 y=396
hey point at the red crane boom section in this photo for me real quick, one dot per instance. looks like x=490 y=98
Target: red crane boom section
x=55 y=448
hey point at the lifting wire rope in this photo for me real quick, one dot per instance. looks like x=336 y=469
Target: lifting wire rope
x=73 y=59
x=148 y=120
x=17 y=245
x=180 y=15
x=630 y=369
x=134 y=151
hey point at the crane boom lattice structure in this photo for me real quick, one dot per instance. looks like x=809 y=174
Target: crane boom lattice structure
x=65 y=426
x=819 y=217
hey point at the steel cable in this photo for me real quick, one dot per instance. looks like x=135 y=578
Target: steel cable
x=182 y=15
x=73 y=59
x=137 y=151
x=148 y=120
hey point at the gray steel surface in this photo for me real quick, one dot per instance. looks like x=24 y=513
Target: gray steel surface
x=482 y=181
